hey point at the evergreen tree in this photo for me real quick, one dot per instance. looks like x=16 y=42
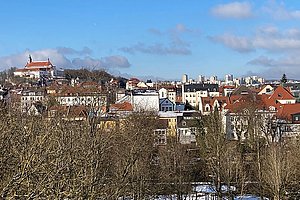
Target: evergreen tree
x=283 y=79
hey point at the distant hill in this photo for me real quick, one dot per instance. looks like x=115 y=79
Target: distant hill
x=91 y=75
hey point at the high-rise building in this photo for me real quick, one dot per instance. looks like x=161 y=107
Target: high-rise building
x=184 y=78
x=228 y=78
x=201 y=78
x=213 y=79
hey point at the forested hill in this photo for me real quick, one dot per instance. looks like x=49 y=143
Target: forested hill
x=90 y=75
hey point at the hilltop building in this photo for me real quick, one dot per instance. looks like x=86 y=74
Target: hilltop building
x=38 y=69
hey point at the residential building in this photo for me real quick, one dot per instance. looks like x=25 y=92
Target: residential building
x=32 y=97
x=145 y=100
x=166 y=105
x=170 y=92
x=131 y=84
x=69 y=113
x=191 y=93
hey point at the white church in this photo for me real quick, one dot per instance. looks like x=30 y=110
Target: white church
x=38 y=69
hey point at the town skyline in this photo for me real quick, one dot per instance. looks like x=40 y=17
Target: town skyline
x=155 y=39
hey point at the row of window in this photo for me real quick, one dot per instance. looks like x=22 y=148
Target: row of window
x=82 y=99
x=32 y=98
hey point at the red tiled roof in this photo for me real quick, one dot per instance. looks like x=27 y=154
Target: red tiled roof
x=282 y=93
x=126 y=106
x=70 y=111
x=21 y=70
x=211 y=100
x=39 y=64
x=285 y=111
x=237 y=103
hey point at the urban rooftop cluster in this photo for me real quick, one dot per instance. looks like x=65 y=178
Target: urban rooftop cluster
x=239 y=107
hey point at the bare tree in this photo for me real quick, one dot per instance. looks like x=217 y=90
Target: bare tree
x=218 y=152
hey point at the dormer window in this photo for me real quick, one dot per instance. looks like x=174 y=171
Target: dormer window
x=279 y=95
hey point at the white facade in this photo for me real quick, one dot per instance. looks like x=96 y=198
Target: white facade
x=29 y=98
x=193 y=98
x=228 y=78
x=95 y=100
x=184 y=78
x=163 y=93
x=172 y=96
x=145 y=101
x=268 y=89
x=213 y=79
x=186 y=135
x=287 y=101
x=193 y=93
x=201 y=78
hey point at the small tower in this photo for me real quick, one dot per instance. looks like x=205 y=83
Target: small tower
x=30 y=59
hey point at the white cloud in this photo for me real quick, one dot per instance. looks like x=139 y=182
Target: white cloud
x=71 y=51
x=286 y=61
x=266 y=38
x=240 y=44
x=274 y=68
x=175 y=45
x=158 y=49
x=59 y=57
x=279 y=11
x=238 y=10
x=271 y=39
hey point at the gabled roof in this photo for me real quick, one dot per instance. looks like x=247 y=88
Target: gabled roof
x=222 y=88
x=282 y=93
x=38 y=64
x=211 y=100
x=285 y=111
x=237 y=103
x=125 y=106
x=70 y=111
x=163 y=100
x=242 y=90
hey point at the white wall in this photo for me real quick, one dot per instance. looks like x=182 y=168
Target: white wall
x=145 y=102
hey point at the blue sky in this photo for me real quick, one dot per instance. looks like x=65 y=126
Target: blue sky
x=155 y=38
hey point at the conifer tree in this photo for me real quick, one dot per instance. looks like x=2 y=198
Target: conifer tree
x=283 y=79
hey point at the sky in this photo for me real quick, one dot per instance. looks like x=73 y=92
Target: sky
x=158 y=39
